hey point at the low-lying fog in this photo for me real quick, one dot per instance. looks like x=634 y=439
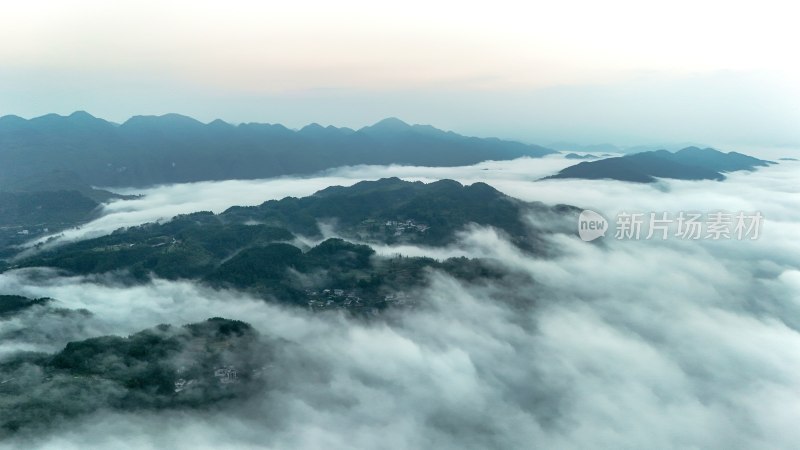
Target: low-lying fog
x=628 y=344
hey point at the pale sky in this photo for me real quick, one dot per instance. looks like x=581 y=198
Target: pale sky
x=626 y=72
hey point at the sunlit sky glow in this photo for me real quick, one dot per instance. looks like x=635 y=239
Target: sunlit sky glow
x=627 y=72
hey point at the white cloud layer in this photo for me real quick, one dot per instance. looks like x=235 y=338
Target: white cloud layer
x=622 y=344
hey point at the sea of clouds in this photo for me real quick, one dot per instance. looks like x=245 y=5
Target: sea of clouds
x=611 y=344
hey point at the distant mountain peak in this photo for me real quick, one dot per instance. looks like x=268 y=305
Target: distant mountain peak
x=82 y=115
x=316 y=130
x=78 y=120
x=391 y=124
x=391 y=121
x=690 y=163
x=173 y=148
x=219 y=123
x=169 y=119
x=12 y=120
x=312 y=127
x=697 y=150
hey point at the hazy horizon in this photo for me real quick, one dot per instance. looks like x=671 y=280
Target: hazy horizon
x=618 y=73
x=565 y=145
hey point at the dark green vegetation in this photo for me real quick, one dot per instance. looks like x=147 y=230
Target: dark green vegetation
x=338 y=271
x=25 y=216
x=12 y=304
x=193 y=366
x=691 y=163
x=46 y=203
x=60 y=180
x=189 y=246
x=365 y=209
x=149 y=150
x=41 y=208
x=255 y=249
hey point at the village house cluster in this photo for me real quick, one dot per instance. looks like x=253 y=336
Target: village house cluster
x=392 y=227
x=223 y=375
x=329 y=299
x=403 y=226
x=226 y=375
x=17 y=233
x=399 y=299
x=333 y=298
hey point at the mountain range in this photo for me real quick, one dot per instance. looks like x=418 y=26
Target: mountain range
x=172 y=148
x=690 y=163
x=259 y=248
x=624 y=149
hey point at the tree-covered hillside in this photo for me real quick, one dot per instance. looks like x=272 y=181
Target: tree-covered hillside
x=257 y=248
x=193 y=366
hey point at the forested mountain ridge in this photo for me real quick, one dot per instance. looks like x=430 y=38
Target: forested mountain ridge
x=690 y=163
x=165 y=367
x=257 y=248
x=147 y=150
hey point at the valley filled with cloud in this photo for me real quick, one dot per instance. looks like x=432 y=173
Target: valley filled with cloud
x=609 y=344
